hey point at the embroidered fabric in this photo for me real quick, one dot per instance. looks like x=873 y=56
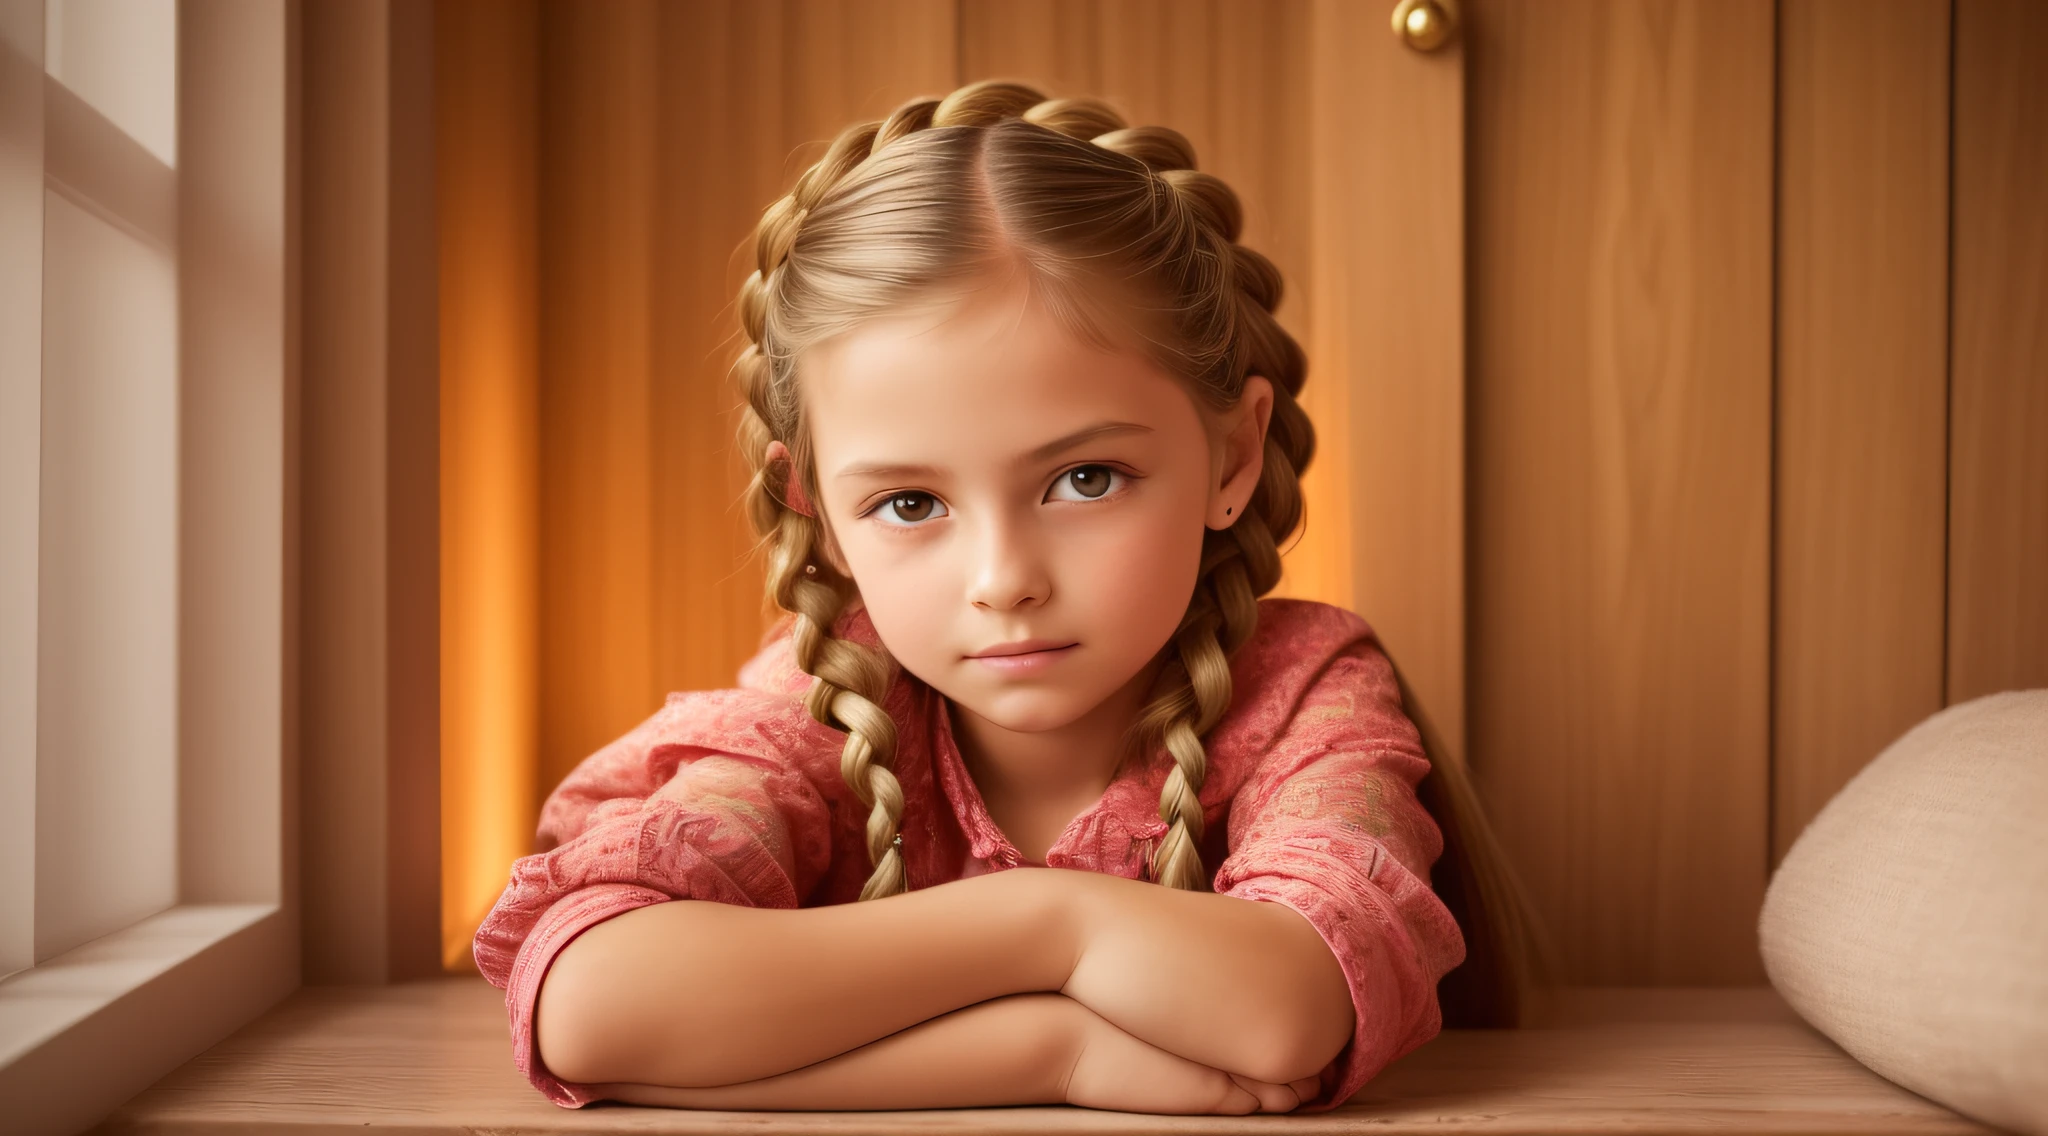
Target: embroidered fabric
x=735 y=796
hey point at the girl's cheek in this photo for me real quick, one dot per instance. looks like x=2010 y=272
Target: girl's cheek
x=1140 y=572
x=907 y=585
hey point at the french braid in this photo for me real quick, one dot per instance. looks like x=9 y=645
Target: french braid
x=1181 y=240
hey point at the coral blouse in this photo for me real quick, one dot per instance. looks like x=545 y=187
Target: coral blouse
x=1309 y=801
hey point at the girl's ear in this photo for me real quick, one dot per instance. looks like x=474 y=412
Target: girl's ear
x=1244 y=453
x=782 y=477
x=783 y=480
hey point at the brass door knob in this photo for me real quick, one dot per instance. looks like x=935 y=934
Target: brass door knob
x=1425 y=25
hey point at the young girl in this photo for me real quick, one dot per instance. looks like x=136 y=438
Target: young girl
x=1025 y=441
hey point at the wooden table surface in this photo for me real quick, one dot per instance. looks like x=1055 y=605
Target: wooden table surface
x=434 y=1057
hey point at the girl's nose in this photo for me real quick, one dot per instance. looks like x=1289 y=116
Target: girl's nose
x=1008 y=570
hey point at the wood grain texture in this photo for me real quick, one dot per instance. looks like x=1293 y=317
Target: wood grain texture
x=1862 y=393
x=412 y=451
x=1387 y=348
x=598 y=70
x=432 y=1057
x=1620 y=389
x=1998 y=442
x=487 y=57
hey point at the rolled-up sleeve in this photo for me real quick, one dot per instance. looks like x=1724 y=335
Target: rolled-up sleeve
x=1329 y=825
x=725 y=828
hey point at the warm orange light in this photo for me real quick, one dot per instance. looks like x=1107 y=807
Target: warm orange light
x=1319 y=565
x=487 y=125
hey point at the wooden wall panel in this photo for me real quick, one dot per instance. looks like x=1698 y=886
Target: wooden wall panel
x=1387 y=347
x=1998 y=443
x=1862 y=398
x=369 y=541
x=1620 y=260
x=487 y=56
x=598 y=69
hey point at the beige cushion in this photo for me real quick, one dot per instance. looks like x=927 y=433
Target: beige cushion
x=1909 y=922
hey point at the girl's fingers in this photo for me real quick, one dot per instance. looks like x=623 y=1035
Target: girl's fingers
x=1270 y=1097
x=1308 y=1088
x=1240 y=1099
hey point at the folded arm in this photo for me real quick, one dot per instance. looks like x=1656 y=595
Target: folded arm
x=1240 y=987
x=1023 y=1049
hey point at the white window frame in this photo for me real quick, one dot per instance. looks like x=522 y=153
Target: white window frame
x=84 y=1031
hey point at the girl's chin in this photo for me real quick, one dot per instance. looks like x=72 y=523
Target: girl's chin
x=1025 y=712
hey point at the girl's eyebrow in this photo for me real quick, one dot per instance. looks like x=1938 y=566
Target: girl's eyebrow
x=1084 y=434
x=1051 y=449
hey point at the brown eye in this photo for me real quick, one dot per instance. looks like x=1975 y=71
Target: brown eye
x=903 y=509
x=1087 y=482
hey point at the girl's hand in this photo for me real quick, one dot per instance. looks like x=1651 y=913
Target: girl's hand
x=1113 y=1070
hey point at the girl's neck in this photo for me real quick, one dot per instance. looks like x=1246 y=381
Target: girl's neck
x=1034 y=783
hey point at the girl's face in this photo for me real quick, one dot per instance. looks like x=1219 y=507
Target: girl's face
x=1022 y=512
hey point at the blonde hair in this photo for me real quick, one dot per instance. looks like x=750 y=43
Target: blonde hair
x=939 y=192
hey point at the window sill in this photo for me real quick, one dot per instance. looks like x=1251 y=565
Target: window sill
x=430 y=1057
x=91 y=1027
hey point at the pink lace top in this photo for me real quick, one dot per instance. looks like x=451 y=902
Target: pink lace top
x=1310 y=802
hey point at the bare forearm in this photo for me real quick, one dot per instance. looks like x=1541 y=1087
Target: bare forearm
x=702 y=994
x=1244 y=986
x=1023 y=1049
x=1014 y=1050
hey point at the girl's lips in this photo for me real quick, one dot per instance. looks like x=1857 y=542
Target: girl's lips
x=1025 y=662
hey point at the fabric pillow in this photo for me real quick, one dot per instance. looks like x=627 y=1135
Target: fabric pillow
x=1909 y=922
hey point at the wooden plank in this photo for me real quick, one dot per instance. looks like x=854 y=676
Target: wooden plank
x=369 y=542
x=1862 y=395
x=1620 y=455
x=1387 y=349
x=432 y=1057
x=1998 y=472
x=412 y=775
x=487 y=57
x=597 y=203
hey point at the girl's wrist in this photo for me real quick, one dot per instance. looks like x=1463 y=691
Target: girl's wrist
x=1048 y=907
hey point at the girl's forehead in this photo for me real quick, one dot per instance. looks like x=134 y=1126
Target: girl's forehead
x=996 y=373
